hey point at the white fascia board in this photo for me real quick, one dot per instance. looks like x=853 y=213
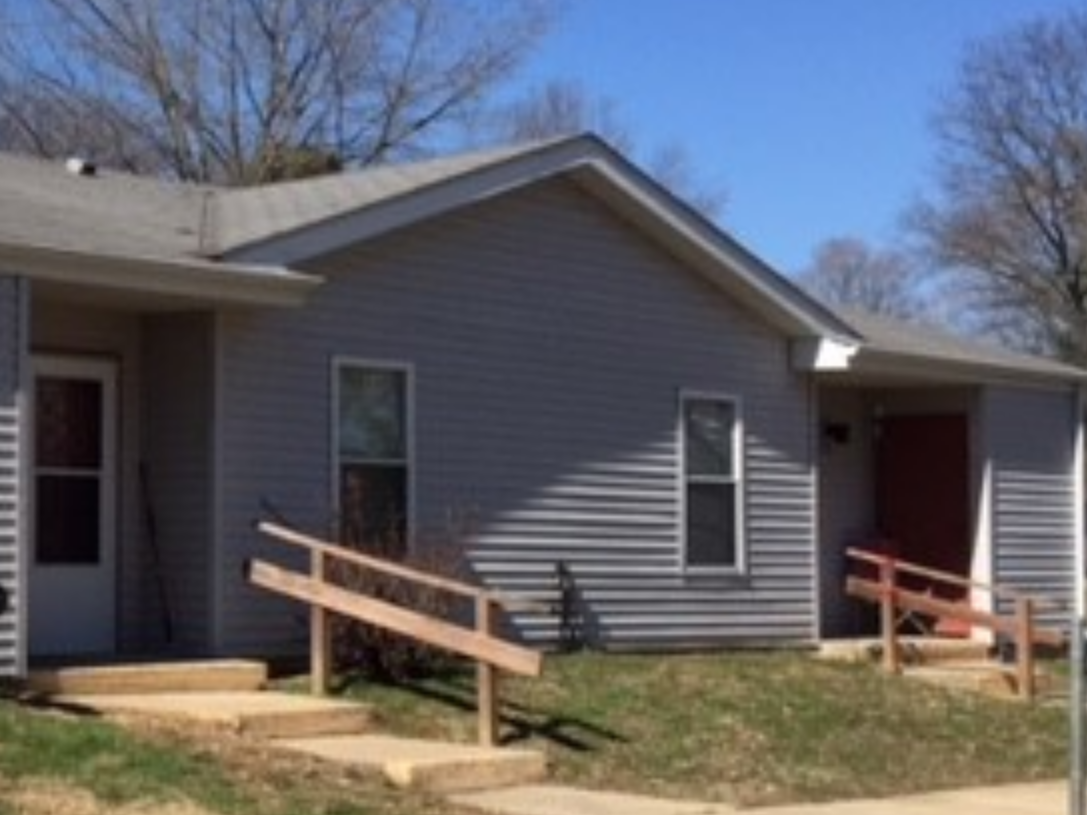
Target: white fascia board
x=201 y=280
x=823 y=354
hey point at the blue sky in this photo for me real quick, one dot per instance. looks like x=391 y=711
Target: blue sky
x=811 y=115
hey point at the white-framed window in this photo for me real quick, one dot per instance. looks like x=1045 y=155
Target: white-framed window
x=711 y=444
x=372 y=453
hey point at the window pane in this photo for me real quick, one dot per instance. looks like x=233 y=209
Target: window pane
x=68 y=413
x=711 y=524
x=374 y=506
x=372 y=414
x=67 y=516
x=708 y=431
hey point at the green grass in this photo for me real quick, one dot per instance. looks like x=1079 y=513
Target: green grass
x=219 y=773
x=750 y=728
x=107 y=761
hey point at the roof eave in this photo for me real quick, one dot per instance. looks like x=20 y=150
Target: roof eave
x=877 y=362
x=186 y=279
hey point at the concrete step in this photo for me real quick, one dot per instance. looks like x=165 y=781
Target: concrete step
x=152 y=677
x=914 y=650
x=544 y=799
x=262 y=714
x=432 y=766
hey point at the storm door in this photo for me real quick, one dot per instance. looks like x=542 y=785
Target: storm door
x=73 y=562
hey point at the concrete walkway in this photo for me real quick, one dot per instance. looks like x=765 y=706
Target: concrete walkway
x=1049 y=798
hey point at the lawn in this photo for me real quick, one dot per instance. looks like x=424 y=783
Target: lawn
x=51 y=763
x=747 y=728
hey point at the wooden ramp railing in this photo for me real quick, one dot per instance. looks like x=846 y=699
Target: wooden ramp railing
x=893 y=598
x=490 y=652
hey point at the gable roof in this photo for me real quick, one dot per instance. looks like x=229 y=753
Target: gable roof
x=300 y=220
x=241 y=232
x=238 y=245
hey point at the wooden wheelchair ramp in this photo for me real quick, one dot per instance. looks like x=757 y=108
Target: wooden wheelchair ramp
x=482 y=643
x=1019 y=632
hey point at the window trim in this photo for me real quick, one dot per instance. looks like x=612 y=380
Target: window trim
x=737 y=479
x=338 y=364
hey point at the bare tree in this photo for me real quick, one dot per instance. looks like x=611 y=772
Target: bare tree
x=848 y=272
x=562 y=108
x=245 y=91
x=1011 y=213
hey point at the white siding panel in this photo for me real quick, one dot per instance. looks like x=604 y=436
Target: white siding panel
x=549 y=343
x=1031 y=434
x=11 y=499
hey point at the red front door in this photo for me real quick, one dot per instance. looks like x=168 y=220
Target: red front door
x=923 y=491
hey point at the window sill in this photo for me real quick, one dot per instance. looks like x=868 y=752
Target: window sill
x=711 y=577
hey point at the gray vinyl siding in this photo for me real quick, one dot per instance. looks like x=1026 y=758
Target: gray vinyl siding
x=12 y=503
x=1031 y=436
x=65 y=328
x=549 y=343
x=846 y=499
x=177 y=455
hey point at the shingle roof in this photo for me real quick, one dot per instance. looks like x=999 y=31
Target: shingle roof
x=887 y=339
x=252 y=214
x=122 y=216
x=43 y=204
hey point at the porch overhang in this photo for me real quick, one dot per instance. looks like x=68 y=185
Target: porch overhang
x=189 y=280
x=873 y=366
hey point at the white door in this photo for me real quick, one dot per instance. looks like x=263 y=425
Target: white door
x=74 y=540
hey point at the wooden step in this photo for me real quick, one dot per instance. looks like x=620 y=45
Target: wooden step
x=978 y=676
x=914 y=650
x=151 y=677
x=435 y=767
x=261 y=714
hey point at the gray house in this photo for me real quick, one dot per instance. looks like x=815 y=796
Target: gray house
x=535 y=354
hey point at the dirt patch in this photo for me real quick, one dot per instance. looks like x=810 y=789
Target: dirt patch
x=54 y=798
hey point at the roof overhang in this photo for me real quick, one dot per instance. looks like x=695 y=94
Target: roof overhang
x=195 y=280
x=876 y=367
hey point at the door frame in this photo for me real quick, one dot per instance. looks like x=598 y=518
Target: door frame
x=106 y=371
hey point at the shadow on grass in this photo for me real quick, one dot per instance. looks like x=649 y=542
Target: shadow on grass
x=456 y=690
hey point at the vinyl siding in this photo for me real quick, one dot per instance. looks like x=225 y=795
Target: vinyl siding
x=1031 y=442
x=11 y=472
x=177 y=455
x=549 y=344
x=846 y=499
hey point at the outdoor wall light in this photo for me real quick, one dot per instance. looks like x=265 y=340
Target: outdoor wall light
x=837 y=433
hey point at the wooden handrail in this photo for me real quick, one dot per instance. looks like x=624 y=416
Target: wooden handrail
x=482 y=644
x=1007 y=592
x=890 y=596
x=457 y=587
x=448 y=636
x=925 y=604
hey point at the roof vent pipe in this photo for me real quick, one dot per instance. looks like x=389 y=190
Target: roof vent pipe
x=80 y=166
